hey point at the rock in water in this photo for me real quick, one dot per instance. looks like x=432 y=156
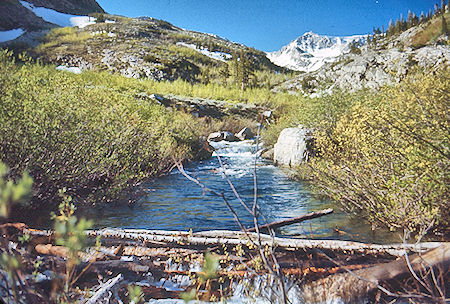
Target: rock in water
x=291 y=147
x=222 y=135
x=216 y=136
x=268 y=154
x=244 y=134
x=228 y=136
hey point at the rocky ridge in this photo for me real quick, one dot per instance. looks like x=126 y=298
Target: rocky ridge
x=372 y=66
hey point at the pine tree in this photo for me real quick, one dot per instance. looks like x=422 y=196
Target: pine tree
x=444 y=25
x=398 y=26
x=422 y=17
x=236 y=69
x=415 y=20
x=409 y=21
x=246 y=71
x=224 y=73
x=391 y=28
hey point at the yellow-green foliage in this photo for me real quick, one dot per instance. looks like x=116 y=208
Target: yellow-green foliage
x=92 y=137
x=70 y=233
x=184 y=88
x=10 y=192
x=63 y=35
x=388 y=159
x=318 y=113
x=432 y=30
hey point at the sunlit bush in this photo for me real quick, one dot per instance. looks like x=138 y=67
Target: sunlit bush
x=388 y=159
x=96 y=140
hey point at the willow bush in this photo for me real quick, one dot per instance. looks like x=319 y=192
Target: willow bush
x=318 y=113
x=388 y=158
x=95 y=141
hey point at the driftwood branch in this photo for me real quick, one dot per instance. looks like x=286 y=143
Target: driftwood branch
x=293 y=220
x=104 y=289
x=352 y=285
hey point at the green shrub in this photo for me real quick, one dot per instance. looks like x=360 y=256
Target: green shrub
x=388 y=159
x=85 y=134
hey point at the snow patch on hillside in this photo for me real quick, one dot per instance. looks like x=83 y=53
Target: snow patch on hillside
x=221 y=56
x=58 y=18
x=75 y=70
x=10 y=35
x=311 y=51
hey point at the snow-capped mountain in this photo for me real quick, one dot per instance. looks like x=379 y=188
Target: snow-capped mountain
x=311 y=51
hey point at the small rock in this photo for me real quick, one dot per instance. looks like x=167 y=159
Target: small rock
x=228 y=136
x=268 y=154
x=244 y=134
x=216 y=136
x=267 y=114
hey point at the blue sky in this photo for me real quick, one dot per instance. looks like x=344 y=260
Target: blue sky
x=269 y=24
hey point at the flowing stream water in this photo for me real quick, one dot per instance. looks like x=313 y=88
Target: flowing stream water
x=174 y=203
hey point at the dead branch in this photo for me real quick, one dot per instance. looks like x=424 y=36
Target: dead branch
x=104 y=288
x=293 y=220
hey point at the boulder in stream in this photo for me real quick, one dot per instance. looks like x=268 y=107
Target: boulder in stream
x=228 y=136
x=244 y=134
x=292 y=146
x=216 y=136
x=222 y=135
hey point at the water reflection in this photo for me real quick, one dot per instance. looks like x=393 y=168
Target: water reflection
x=174 y=203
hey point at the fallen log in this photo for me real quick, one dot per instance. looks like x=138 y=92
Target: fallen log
x=232 y=238
x=351 y=287
x=50 y=249
x=104 y=289
x=294 y=220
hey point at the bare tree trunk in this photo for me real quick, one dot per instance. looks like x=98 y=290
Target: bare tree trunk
x=219 y=237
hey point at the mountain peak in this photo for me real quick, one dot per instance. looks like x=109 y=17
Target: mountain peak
x=310 y=51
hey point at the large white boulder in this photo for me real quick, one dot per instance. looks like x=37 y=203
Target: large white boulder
x=291 y=147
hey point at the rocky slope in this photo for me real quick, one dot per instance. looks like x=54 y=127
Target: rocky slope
x=311 y=51
x=146 y=47
x=134 y=47
x=372 y=66
x=14 y=15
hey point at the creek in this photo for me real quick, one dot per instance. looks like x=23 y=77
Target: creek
x=172 y=202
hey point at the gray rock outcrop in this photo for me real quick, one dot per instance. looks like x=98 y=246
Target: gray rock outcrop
x=291 y=148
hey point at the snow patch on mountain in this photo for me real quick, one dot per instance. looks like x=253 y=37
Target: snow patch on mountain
x=311 y=51
x=58 y=18
x=10 y=35
x=221 y=56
